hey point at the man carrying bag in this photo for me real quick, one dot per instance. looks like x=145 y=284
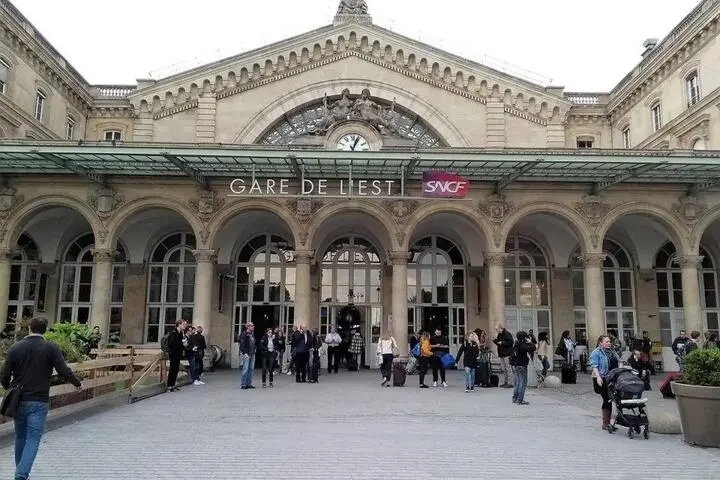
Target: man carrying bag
x=25 y=376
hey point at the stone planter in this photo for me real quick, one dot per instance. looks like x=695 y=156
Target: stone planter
x=699 y=409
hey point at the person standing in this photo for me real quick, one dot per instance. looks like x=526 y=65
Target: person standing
x=333 y=341
x=317 y=344
x=176 y=347
x=280 y=357
x=357 y=347
x=247 y=353
x=268 y=348
x=386 y=348
x=439 y=345
x=522 y=350
x=195 y=355
x=424 y=358
x=301 y=342
x=202 y=346
x=504 y=342
x=602 y=360
x=30 y=364
x=543 y=350
x=471 y=349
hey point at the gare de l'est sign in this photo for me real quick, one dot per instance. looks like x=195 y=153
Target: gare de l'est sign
x=434 y=185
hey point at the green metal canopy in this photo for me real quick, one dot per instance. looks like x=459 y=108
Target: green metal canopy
x=698 y=169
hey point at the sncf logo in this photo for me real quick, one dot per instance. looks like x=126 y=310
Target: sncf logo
x=444 y=185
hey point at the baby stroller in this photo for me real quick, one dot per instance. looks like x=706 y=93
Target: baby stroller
x=625 y=387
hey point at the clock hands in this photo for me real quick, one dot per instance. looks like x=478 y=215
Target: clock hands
x=357 y=139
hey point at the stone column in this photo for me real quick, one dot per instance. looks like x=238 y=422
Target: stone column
x=691 y=292
x=302 y=287
x=399 y=325
x=102 y=291
x=204 y=279
x=594 y=298
x=495 y=263
x=5 y=256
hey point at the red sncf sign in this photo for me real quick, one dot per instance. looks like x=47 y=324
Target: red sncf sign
x=444 y=185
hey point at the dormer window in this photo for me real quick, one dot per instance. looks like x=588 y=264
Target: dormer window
x=692 y=84
x=626 y=137
x=656 y=116
x=40 y=99
x=113 y=135
x=70 y=128
x=585 y=142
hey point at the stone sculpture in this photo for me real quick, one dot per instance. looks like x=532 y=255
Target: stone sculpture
x=352 y=7
x=385 y=120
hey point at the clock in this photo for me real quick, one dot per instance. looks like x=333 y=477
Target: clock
x=353 y=142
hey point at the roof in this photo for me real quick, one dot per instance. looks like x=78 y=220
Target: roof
x=99 y=162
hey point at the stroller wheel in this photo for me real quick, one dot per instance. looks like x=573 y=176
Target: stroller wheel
x=637 y=429
x=646 y=433
x=631 y=432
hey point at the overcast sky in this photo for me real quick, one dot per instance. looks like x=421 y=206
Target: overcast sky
x=584 y=45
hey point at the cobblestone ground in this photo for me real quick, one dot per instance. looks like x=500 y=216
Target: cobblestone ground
x=347 y=427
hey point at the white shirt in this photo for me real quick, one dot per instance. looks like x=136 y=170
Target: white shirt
x=271 y=345
x=386 y=346
x=333 y=339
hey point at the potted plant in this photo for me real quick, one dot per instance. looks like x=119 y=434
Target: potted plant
x=698 y=398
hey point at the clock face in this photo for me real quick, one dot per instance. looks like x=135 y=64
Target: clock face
x=352 y=142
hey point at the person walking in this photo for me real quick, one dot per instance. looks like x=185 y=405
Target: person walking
x=176 y=349
x=268 y=349
x=247 y=353
x=386 y=348
x=602 y=360
x=30 y=364
x=471 y=349
x=522 y=350
x=424 y=358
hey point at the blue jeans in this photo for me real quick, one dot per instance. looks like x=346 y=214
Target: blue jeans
x=29 y=429
x=247 y=371
x=545 y=364
x=469 y=377
x=192 y=366
x=520 y=384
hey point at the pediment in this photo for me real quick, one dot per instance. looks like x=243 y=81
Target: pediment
x=368 y=42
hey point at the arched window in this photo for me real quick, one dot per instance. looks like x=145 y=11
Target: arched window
x=618 y=289
x=171 y=285
x=265 y=284
x=656 y=116
x=669 y=290
x=4 y=75
x=77 y=279
x=527 y=287
x=24 y=282
x=40 y=101
x=351 y=290
x=436 y=288
x=692 y=86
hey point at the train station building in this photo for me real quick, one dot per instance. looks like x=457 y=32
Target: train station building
x=356 y=177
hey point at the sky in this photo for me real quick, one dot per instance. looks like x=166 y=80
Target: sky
x=583 y=45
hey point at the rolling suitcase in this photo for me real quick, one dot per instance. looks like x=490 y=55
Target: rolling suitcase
x=568 y=374
x=494 y=380
x=315 y=369
x=398 y=375
x=482 y=375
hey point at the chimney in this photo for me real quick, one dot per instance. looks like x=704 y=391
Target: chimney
x=649 y=45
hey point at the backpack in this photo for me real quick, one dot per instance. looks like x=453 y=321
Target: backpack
x=165 y=343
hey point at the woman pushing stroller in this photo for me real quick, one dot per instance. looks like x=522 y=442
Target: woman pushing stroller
x=602 y=360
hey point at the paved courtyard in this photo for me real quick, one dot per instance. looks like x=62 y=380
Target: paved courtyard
x=347 y=427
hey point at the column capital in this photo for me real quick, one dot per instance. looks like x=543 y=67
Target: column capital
x=304 y=257
x=207 y=256
x=495 y=259
x=690 y=261
x=399 y=257
x=101 y=255
x=592 y=260
x=6 y=254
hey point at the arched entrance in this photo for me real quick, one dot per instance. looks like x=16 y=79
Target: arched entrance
x=264 y=287
x=351 y=293
x=527 y=286
x=436 y=289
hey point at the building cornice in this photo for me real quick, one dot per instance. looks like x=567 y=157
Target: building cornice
x=692 y=34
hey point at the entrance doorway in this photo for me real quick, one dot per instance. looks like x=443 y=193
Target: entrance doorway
x=263 y=317
x=347 y=318
x=450 y=320
x=435 y=318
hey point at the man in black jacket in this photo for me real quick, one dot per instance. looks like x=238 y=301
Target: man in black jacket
x=30 y=363
x=504 y=342
x=302 y=343
x=520 y=359
x=177 y=348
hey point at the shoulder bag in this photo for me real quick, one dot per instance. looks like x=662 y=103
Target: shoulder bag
x=11 y=400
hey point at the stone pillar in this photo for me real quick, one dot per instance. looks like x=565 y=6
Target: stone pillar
x=101 y=291
x=302 y=287
x=399 y=324
x=495 y=263
x=204 y=279
x=691 y=292
x=5 y=256
x=594 y=298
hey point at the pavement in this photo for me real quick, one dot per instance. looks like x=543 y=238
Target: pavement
x=348 y=427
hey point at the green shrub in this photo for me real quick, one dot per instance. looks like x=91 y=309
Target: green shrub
x=702 y=367
x=72 y=338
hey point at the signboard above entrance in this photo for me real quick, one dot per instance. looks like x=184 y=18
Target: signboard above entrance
x=444 y=185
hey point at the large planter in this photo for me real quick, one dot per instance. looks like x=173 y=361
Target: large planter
x=699 y=409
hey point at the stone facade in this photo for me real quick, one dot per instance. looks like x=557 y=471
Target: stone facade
x=461 y=104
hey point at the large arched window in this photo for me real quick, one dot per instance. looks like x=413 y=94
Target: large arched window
x=527 y=286
x=618 y=289
x=171 y=286
x=265 y=284
x=669 y=290
x=76 y=284
x=24 y=282
x=436 y=288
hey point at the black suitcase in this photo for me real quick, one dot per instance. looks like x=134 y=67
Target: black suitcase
x=352 y=364
x=494 y=380
x=315 y=370
x=568 y=374
x=398 y=375
x=482 y=374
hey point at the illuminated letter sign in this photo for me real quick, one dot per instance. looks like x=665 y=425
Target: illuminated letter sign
x=444 y=185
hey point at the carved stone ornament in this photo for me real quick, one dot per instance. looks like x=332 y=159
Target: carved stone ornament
x=103 y=256
x=206 y=204
x=3 y=232
x=399 y=257
x=647 y=275
x=496 y=208
x=205 y=255
x=6 y=254
x=104 y=201
x=304 y=257
x=592 y=260
x=401 y=209
x=303 y=234
x=690 y=261
x=496 y=259
x=595 y=240
x=593 y=209
x=102 y=236
x=8 y=200
x=304 y=208
x=383 y=119
x=689 y=210
x=204 y=235
x=352 y=7
x=400 y=236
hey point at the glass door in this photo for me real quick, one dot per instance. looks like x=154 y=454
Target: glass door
x=457 y=330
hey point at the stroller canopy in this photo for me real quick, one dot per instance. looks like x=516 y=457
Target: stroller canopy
x=625 y=380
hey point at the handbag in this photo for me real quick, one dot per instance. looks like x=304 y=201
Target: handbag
x=11 y=401
x=448 y=361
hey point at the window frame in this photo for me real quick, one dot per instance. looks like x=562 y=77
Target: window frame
x=626 y=138
x=585 y=142
x=656 y=116
x=112 y=133
x=692 y=88
x=4 y=82
x=40 y=104
x=70 y=127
